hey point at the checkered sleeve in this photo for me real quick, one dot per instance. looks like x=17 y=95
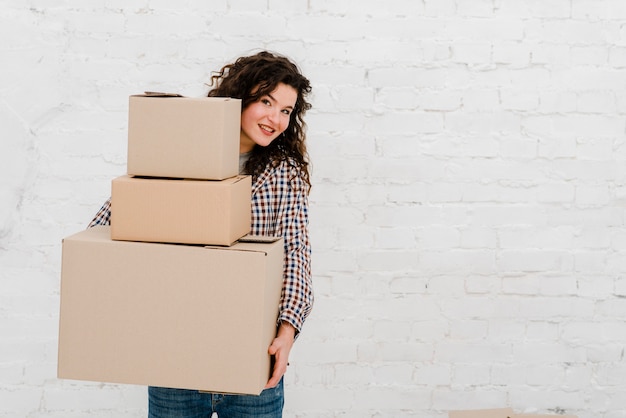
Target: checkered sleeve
x=297 y=295
x=103 y=217
x=280 y=208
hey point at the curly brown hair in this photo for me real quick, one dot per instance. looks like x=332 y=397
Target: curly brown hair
x=252 y=77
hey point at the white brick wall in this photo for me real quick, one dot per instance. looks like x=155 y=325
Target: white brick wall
x=469 y=201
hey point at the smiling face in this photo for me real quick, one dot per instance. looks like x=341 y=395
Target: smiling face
x=264 y=120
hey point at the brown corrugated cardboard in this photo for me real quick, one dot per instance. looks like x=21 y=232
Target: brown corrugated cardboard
x=482 y=413
x=168 y=315
x=214 y=212
x=499 y=413
x=183 y=137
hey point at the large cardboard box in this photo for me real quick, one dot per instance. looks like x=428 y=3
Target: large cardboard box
x=499 y=413
x=168 y=315
x=183 y=137
x=184 y=211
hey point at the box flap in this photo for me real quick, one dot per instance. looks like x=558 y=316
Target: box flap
x=482 y=413
x=259 y=239
x=161 y=94
x=251 y=246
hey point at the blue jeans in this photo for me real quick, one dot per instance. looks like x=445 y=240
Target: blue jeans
x=182 y=403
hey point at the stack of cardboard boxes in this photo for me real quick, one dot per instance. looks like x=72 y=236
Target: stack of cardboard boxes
x=171 y=294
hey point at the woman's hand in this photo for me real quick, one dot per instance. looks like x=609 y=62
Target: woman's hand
x=280 y=348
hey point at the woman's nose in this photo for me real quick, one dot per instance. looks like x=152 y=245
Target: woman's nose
x=273 y=115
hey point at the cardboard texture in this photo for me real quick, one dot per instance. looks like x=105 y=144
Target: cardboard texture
x=180 y=211
x=499 y=413
x=482 y=413
x=168 y=315
x=183 y=137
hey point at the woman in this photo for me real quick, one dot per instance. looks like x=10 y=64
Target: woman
x=273 y=151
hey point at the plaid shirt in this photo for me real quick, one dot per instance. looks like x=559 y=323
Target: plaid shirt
x=280 y=209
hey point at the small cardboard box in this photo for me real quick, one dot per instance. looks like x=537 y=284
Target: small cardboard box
x=183 y=211
x=177 y=316
x=183 y=137
x=499 y=413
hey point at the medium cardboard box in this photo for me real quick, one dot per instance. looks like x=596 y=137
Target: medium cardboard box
x=183 y=137
x=183 y=211
x=499 y=413
x=168 y=315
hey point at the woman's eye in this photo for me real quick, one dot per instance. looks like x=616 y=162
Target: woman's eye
x=265 y=102
x=286 y=112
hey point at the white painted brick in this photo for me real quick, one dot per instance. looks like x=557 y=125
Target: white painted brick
x=438 y=237
x=535 y=8
x=475 y=237
x=557 y=102
x=476 y=284
x=544 y=353
x=333 y=352
x=519 y=100
x=446 y=399
x=395 y=374
x=544 y=375
x=589 y=55
x=512 y=53
x=540 y=285
x=396 y=351
x=508 y=375
x=448 y=285
x=392 y=330
x=610 y=9
x=440 y=7
x=429 y=331
x=467 y=204
x=420 y=122
x=470 y=261
x=370 y=399
x=542 y=330
x=433 y=374
x=471 y=53
x=483 y=123
x=554 y=307
x=394 y=238
x=501 y=330
x=592 y=195
x=576 y=375
x=521 y=237
x=556 y=193
x=470 y=375
x=481 y=100
x=92 y=396
x=439 y=100
x=397 y=98
x=595 y=149
x=617 y=57
x=404 y=308
x=408 y=285
x=20 y=401
x=469 y=329
x=479 y=8
x=543 y=403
